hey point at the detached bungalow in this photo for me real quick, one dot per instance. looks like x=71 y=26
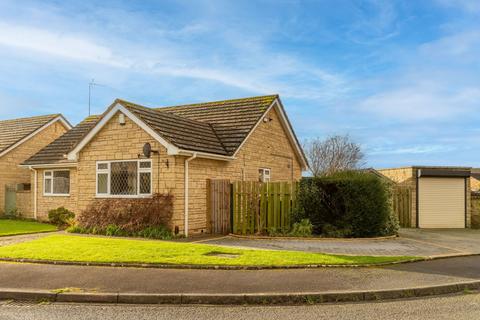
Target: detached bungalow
x=19 y=140
x=104 y=156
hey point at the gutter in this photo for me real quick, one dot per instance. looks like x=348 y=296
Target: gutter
x=187 y=160
x=35 y=182
x=49 y=165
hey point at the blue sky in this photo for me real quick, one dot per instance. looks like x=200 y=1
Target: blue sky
x=401 y=77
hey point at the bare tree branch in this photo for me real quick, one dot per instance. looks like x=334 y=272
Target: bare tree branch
x=336 y=153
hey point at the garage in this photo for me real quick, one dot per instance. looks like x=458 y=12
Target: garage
x=439 y=197
x=441 y=202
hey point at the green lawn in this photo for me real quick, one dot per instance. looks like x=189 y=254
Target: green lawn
x=96 y=249
x=11 y=227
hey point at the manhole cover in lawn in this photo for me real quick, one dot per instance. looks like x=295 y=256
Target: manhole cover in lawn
x=222 y=255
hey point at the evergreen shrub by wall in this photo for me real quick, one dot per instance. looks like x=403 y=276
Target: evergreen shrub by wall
x=347 y=204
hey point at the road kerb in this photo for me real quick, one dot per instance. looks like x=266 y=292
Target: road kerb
x=239 y=298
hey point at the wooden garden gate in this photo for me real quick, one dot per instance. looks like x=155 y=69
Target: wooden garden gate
x=218 y=205
x=402 y=205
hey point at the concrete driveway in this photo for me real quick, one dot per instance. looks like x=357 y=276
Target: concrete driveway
x=462 y=240
x=411 y=242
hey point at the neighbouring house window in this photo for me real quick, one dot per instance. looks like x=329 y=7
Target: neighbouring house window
x=56 y=182
x=124 y=178
x=264 y=175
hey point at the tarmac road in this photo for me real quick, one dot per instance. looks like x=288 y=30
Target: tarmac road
x=464 y=306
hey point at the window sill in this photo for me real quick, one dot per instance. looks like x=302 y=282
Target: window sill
x=56 y=195
x=102 y=196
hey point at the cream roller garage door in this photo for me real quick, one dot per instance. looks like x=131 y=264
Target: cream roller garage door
x=441 y=202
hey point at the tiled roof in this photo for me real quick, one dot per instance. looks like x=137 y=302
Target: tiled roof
x=232 y=120
x=217 y=127
x=55 y=152
x=12 y=131
x=180 y=131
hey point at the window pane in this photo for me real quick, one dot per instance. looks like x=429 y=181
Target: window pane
x=102 y=183
x=48 y=173
x=145 y=164
x=123 y=178
x=102 y=166
x=61 y=182
x=48 y=186
x=145 y=178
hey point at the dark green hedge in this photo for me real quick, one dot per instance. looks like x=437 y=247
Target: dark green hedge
x=347 y=204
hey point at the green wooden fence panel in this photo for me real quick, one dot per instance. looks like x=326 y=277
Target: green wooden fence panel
x=257 y=207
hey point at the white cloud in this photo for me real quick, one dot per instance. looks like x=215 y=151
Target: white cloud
x=376 y=21
x=471 y=6
x=417 y=149
x=264 y=72
x=460 y=45
x=60 y=44
x=417 y=103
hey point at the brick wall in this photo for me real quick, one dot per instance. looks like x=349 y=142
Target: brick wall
x=24 y=203
x=47 y=202
x=122 y=142
x=474 y=184
x=11 y=173
x=475 y=212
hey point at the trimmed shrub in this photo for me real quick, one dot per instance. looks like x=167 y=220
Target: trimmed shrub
x=303 y=228
x=60 y=216
x=346 y=204
x=128 y=215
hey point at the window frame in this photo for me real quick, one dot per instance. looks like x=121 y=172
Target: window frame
x=264 y=176
x=51 y=178
x=108 y=171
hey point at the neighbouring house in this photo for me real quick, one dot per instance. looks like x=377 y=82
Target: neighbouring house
x=19 y=140
x=441 y=196
x=475 y=179
x=103 y=156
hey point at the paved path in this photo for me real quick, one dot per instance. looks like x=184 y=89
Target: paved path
x=463 y=307
x=138 y=280
x=412 y=242
x=7 y=240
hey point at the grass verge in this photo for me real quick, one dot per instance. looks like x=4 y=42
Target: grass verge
x=10 y=227
x=105 y=250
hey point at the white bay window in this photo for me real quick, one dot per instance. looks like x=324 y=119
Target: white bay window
x=129 y=178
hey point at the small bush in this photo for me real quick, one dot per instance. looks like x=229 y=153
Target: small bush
x=156 y=232
x=277 y=232
x=12 y=214
x=130 y=215
x=76 y=229
x=346 y=204
x=114 y=230
x=303 y=228
x=60 y=216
